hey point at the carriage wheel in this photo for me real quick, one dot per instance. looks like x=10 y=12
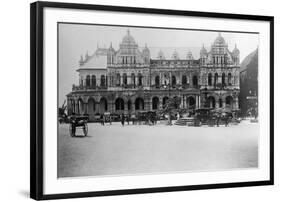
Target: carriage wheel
x=85 y=129
x=72 y=130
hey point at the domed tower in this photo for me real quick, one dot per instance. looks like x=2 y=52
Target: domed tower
x=175 y=55
x=219 y=51
x=161 y=55
x=236 y=55
x=189 y=56
x=146 y=55
x=111 y=55
x=128 y=52
x=81 y=61
x=203 y=56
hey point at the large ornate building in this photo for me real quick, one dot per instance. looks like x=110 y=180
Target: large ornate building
x=128 y=79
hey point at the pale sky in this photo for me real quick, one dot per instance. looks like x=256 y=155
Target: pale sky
x=75 y=40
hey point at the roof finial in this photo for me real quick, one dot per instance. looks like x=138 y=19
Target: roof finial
x=97 y=45
x=219 y=34
x=128 y=32
x=111 y=44
x=235 y=45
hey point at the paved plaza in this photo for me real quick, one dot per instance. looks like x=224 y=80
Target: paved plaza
x=140 y=149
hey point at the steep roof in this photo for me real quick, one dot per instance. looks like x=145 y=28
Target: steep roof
x=245 y=63
x=97 y=61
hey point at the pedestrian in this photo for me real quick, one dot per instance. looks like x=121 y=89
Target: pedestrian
x=128 y=119
x=104 y=119
x=122 y=119
x=178 y=116
x=226 y=121
x=101 y=119
x=218 y=120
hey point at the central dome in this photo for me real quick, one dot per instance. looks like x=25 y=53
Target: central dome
x=219 y=40
x=128 y=39
x=203 y=51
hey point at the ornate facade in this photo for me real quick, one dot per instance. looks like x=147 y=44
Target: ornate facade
x=128 y=79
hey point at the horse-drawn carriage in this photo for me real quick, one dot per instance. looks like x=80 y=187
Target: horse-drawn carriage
x=147 y=117
x=212 y=117
x=62 y=115
x=78 y=122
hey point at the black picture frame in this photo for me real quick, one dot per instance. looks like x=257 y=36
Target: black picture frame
x=36 y=99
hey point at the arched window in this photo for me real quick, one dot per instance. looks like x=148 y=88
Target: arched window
x=209 y=79
x=155 y=103
x=139 y=104
x=133 y=79
x=139 y=79
x=183 y=80
x=157 y=81
x=118 y=79
x=229 y=101
x=103 y=105
x=223 y=79
x=216 y=79
x=174 y=80
x=229 y=79
x=195 y=81
x=80 y=106
x=88 y=80
x=119 y=104
x=102 y=80
x=125 y=79
x=94 y=81
x=190 y=102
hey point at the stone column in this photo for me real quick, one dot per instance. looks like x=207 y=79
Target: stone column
x=160 y=104
x=217 y=103
x=137 y=80
x=121 y=80
x=223 y=103
x=170 y=78
x=147 y=105
x=236 y=103
x=133 y=109
x=77 y=107
x=85 y=108
x=125 y=106
x=219 y=79
x=129 y=79
x=196 y=101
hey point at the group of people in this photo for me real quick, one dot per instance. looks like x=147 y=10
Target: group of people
x=104 y=119
x=150 y=119
x=223 y=117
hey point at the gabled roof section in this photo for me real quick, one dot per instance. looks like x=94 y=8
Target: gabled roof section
x=96 y=61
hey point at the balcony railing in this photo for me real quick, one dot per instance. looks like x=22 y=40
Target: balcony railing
x=77 y=88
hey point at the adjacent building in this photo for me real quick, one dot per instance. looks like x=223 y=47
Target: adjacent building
x=127 y=80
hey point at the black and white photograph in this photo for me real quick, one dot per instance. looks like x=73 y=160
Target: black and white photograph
x=148 y=100
x=129 y=100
